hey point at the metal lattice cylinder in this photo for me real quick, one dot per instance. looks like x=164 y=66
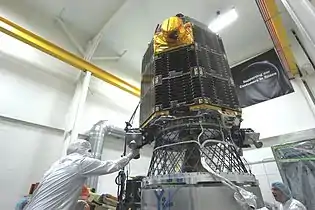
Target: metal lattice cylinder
x=181 y=147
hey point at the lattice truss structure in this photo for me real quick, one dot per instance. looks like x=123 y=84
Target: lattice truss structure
x=182 y=143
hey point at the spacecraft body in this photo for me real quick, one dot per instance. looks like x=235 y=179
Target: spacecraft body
x=190 y=110
x=186 y=68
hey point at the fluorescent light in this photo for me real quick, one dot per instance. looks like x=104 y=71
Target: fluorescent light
x=223 y=20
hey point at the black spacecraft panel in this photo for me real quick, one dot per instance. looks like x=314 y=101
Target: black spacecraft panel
x=184 y=59
x=147 y=106
x=187 y=90
x=188 y=75
x=147 y=58
x=204 y=37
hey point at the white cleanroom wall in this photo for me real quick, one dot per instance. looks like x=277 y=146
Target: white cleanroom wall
x=38 y=89
x=107 y=102
x=282 y=115
x=33 y=88
x=266 y=173
x=28 y=94
x=26 y=153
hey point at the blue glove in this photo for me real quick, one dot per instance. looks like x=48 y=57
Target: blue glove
x=22 y=203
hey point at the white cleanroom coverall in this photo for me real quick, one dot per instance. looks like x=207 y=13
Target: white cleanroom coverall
x=61 y=185
x=292 y=204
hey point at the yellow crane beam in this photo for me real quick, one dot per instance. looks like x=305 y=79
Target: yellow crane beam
x=272 y=18
x=45 y=46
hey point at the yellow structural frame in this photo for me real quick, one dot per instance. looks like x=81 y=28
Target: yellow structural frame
x=278 y=33
x=45 y=46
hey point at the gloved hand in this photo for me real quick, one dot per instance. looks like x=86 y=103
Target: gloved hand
x=245 y=198
x=135 y=152
x=22 y=203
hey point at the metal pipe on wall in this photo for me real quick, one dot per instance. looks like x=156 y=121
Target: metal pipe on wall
x=266 y=160
x=97 y=136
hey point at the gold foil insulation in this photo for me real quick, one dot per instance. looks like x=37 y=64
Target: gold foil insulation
x=171 y=34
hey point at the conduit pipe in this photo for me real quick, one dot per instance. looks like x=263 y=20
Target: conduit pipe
x=97 y=136
x=45 y=46
x=266 y=160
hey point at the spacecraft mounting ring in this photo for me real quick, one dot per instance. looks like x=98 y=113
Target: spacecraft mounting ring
x=199 y=178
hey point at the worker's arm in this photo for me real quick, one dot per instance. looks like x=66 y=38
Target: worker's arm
x=95 y=167
x=296 y=207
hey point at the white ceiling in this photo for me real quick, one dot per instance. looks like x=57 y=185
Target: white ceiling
x=132 y=28
x=129 y=24
x=89 y=16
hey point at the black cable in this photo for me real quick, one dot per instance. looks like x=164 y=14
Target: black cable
x=120 y=180
x=129 y=125
x=133 y=115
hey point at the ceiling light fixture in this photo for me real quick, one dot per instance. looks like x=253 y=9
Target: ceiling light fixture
x=223 y=20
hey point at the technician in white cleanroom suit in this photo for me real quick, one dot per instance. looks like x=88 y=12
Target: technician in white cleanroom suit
x=61 y=185
x=283 y=195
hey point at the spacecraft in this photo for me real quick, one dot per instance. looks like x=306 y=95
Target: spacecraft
x=190 y=110
x=185 y=67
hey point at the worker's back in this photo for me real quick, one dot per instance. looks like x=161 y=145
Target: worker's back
x=61 y=185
